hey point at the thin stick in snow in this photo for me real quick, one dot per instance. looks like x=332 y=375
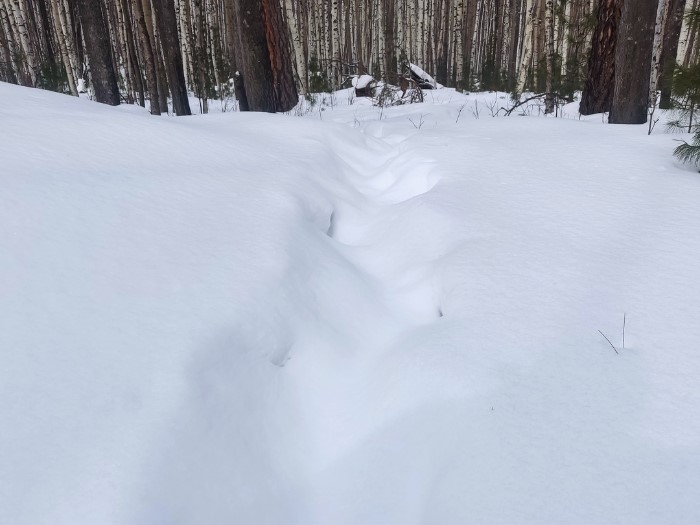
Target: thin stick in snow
x=608 y=340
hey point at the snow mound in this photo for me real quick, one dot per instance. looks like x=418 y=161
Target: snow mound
x=362 y=81
x=423 y=76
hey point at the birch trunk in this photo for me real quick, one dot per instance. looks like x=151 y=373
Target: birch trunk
x=65 y=42
x=662 y=14
x=6 y=65
x=669 y=50
x=526 y=55
x=11 y=41
x=17 y=9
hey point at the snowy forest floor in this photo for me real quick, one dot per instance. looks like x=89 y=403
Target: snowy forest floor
x=362 y=316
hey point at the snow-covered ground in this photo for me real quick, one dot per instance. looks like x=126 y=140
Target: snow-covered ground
x=362 y=316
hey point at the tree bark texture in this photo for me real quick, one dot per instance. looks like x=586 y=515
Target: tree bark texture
x=167 y=25
x=635 y=42
x=600 y=83
x=264 y=56
x=669 y=50
x=148 y=57
x=96 y=35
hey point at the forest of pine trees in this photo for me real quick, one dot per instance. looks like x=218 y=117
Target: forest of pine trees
x=133 y=51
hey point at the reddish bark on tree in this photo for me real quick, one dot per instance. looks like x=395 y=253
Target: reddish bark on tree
x=264 y=57
x=600 y=84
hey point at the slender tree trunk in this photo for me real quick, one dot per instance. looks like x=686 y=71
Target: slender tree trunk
x=691 y=37
x=161 y=97
x=97 y=45
x=633 y=62
x=6 y=66
x=148 y=59
x=167 y=24
x=600 y=83
x=549 y=38
x=390 y=62
x=662 y=13
x=669 y=50
x=16 y=10
x=63 y=41
x=526 y=55
x=11 y=42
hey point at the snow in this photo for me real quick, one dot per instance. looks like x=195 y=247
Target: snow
x=362 y=81
x=345 y=318
x=422 y=75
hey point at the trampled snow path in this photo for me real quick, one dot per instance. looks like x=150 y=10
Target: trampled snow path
x=397 y=268
x=387 y=180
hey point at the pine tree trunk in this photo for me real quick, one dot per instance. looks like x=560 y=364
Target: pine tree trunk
x=390 y=62
x=600 y=83
x=97 y=46
x=633 y=56
x=264 y=57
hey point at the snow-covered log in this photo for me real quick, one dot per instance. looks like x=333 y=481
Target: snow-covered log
x=365 y=85
x=422 y=78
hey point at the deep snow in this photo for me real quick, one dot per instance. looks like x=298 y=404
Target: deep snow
x=361 y=316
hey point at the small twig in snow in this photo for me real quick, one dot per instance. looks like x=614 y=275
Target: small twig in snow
x=459 y=113
x=420 y=122
x=608 y=340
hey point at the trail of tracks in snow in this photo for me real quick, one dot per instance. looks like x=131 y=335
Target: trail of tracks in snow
x=388 y=239
x=378 y=237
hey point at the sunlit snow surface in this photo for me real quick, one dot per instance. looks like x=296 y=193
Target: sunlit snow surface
x=361 y=316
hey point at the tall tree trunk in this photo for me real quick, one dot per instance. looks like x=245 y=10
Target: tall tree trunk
x=97 y=45
x=15 y=66
x=526 y=54
x=390 y=63
x=635 y=42
x=264 y=57
x=148 y=58
x=17 y=13
x=549 y=38
x=669 y=50
x=7 y=72
x=154 y=36
x=662 y=13
x=65 y=45
x=600 y=83
x=167 y=25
